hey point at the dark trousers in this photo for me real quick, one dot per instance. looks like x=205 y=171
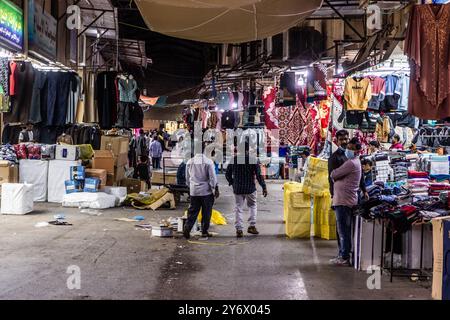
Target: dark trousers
x=344 y=225
x=205 y=203
x=156 y=163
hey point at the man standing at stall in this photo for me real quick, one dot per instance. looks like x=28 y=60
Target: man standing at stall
x=347 y=181
x=156 y=153
x=241 y=173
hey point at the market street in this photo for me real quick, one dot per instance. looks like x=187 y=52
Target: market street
x=119 y=261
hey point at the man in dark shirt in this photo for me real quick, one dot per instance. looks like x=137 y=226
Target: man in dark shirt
x=241 y=173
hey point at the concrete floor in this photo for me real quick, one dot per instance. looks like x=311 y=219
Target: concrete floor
x=119 y=261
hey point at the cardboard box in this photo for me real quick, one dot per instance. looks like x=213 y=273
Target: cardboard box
x=119 y=173
x=117 y=144
x=103 y=159
x=17 y=198
x=132 y=185
x=99 y=174
x=67 y=152
x=77 y=173
x=121 y=159
x=8 y=173
x=158 y=177
x=441 y=261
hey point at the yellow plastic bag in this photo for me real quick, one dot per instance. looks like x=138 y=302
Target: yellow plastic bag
x=86 y=151
x=298 y=215
x=216 y=218
x=324 y=218
x=316 y=179
x=289 y=187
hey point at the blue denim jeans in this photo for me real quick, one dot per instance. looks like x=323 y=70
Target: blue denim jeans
x=344 y=227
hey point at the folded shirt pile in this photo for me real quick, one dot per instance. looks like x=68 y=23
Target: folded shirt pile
x=8 y=153
x=437 y=188
x=417 y=174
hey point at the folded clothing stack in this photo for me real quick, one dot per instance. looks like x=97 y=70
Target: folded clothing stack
x=417 y=174
x=437 y=188
x=419 y=186
x=8 y=153
x=440 y=177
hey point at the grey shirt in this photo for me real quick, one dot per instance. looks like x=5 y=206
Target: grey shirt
x=201 y=176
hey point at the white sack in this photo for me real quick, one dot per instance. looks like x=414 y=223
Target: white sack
x=92 y=200
x=119 y=192
x=58 y=173
x=35 y=172
x=17 y=198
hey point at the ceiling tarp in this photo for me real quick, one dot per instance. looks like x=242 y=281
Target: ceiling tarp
x=224 y=21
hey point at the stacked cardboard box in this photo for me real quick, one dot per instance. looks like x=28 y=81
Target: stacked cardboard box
x=9 y=173
x=118 y=146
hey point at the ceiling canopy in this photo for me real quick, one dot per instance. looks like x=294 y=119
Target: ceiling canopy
x=224 y=21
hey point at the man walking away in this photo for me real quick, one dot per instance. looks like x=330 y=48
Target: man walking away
x=203 y=186
x=347 y=179
x=156 y=153
x=240 y=174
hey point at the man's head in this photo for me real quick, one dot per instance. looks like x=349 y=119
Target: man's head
x=144 y=159
x=342 y=138
x=366 y=165
x=353 y=148
x=374 y=146
x=141 y=132
x=29 y=127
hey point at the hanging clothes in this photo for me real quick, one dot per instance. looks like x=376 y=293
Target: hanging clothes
x=4 y=85
x=357 y=93
x=317 y=83
x=393 y=90
x=23 y=81
x=271 y=112
x=283 y=121
x=107 y=99
x=90 y=114
x=127 y=90
x=40 y=79
x=74 y=97
x=378 y=86
x=404 y=92
x=427 y=45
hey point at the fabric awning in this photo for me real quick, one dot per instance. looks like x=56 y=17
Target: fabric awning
x=224 y=21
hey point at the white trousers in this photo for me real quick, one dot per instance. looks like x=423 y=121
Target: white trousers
x=239 y=210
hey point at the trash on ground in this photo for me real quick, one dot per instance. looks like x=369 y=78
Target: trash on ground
x=59 y=217
x=162 y=231
x=41 y=224
x=178 y=262
x=125 y=219
x=144 y=226
x=139 y=218
x=92 y=212
x=60 y=223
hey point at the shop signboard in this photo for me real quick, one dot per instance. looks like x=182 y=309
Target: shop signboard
x=11 y=25
x=42 y=31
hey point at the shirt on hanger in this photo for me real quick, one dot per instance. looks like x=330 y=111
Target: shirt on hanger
x=404 y=92
x=378 y=86
x=357 y=93
x=392 y=98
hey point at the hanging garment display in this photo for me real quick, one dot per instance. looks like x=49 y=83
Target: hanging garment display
x=271 y=112
x=37 y=101
x=107 y=98
x=288 y=88
x=127 y=90
x=378 y=86
x=283 y=122
x=90 y=114
x=317 y=83
x=22 y=92
x=393 y=91
x=4 y=85
x=427 y=45
x=357 y=93
x=404 y=92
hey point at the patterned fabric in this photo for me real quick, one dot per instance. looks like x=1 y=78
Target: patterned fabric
x=271 y=112
x=283 y=121
x=4 y=85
